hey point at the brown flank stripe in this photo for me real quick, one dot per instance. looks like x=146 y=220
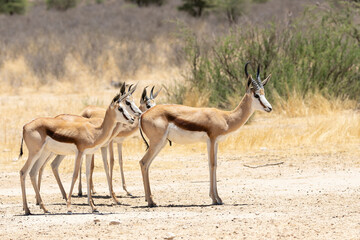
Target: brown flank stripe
x=186 y=125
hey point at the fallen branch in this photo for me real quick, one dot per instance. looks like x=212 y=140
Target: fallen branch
x=266 y=165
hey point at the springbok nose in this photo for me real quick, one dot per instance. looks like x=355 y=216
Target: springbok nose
x=132 y=120
x=270 y=109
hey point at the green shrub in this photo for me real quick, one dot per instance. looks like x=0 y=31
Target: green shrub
x=141 y=3
x=195 y=7
x=13 y=6
x=233 y=9
x=61 y=5
x=319 y=52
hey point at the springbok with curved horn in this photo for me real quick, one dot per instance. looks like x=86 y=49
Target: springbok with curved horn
x=121 y=132
x=97 y=117
x=146 y=102
x=183 y=124
x=44 y=136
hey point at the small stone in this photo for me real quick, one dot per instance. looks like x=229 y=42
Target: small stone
x=114 y=223
x=169 y=236
x=96 y=221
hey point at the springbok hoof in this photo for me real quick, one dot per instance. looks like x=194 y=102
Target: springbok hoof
x=27 y=212
x=152 y=205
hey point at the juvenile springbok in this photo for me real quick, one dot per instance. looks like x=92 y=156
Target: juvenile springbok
x=183 y=124
x=44 y=136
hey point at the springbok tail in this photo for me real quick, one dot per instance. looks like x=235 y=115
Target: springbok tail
x=21 y=148
x=147 y=145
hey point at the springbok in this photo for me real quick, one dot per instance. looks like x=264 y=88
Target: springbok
x=44 y=136
x=97 y=115
x=120 y=132
x=183 y=124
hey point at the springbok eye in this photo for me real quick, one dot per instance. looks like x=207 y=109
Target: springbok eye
x=256 y=95
x=120 y=109
x=127 y=103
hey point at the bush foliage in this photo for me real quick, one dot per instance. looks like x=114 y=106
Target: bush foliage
x=61 y=5
x=142 y=3
x=317 y=53
x=13 y=6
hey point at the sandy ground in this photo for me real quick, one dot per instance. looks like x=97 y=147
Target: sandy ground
x=309 y=196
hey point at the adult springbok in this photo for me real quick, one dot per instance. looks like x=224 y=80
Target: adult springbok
x=121 y=132
x=97 y=115
x=44 y=136
x=183 y=124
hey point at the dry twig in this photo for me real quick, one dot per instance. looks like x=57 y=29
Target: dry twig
x=265 y=165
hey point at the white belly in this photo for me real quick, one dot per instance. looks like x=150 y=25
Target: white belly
x=119 y=139
x=182 y=136
x=61 y=148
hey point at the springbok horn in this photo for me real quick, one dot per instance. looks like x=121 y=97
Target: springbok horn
x=130 y=87
x=246 y=71
x=155 y=95
x=258 y=74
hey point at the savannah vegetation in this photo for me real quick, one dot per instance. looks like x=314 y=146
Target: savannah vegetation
x=291 y=173
x=55 y=60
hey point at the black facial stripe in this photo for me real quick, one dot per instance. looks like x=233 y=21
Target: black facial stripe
x=123 y=113
x=261 y=103
x=132 y=109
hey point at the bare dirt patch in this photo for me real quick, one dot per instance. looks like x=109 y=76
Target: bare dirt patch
x=309 y=196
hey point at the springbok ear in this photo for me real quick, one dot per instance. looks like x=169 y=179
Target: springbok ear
x=133 y=89
x=115 y=99
x=143 y=95
x=122 y=97
x=155 y=95
x=266 y=80
x=122 y=89
x=248 y=84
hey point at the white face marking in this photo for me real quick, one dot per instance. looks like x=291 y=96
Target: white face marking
x=131 y=107
x=182 y=136
x=260 y=103
x=149 y=104
x=122 y=115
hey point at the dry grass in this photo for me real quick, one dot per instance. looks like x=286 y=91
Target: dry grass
x=314 y=124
